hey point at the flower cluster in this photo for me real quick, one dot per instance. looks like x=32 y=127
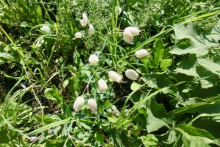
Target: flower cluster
x=84 y=21
x=131 y=74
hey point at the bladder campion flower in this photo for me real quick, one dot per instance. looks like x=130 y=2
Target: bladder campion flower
x=91 y=29
x=94 y=59
x=92 y=105
x=127 y=37
x=78 y=104
x=102 y=85
x=114 y=76
x=141 y=53
x=133 y=30
x=131 y=74
x=85 y=20
x=78 y=35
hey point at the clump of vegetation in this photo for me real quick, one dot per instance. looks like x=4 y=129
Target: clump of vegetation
x=109 y=73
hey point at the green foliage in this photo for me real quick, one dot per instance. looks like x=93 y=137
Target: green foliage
x=44 y=68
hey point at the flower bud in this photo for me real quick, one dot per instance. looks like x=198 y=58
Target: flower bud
x=78 y=35
x=133 y=30
x=102 y=85
x=91 y=29
x=141 y=53
x=93 y=59
x=131 y=74
x=114 y=76
x=127 y=37
x=92 y=105
x=78 y=104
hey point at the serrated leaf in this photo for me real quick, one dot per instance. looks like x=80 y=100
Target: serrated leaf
x=165 y=64
x=158 y=54
x=196 y=137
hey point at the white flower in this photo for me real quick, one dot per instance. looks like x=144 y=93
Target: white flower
x=78 y=104
x=93 y=59
x=83 y=22
x=92 y=105
x=127 y=37
x=141 y=53
x=133 y=30
x=131 y=74
x=78 y=35
x=114 y=76
x=45 y=29
x=91 y=29
x=102 y=85
x=84 y=16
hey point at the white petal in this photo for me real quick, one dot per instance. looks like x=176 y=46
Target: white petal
x=131 y=74
x=78 y=104
x=92 y=105
x=127 y=37
x=133 y=30
x=91 y=29
x=114 y=76
x=83 y=22
x=102 y=85
x=141 y=53
x=93 y=59
x=78 y=35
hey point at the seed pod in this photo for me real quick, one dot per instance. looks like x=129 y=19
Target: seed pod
x=78 y=35
x=102 y=85
x=93 y=59
x=92 y=105
x=133 y=30
x=78 y=104
x=91 y=29
x=114 y=76
x=131 y=74
x=127 y=37
x=141 y=53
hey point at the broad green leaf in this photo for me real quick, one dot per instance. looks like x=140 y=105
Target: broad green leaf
x=209 y=65
x=155 y=116
x=135 y=86
x=196 y=137
x=53 y=94
x=99 y=138
x=202 y=106
x=199 y=42
x=46 y=119
x=149 y=141
x=158 y=54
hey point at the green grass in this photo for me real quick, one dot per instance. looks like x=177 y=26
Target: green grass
x=44 y=68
